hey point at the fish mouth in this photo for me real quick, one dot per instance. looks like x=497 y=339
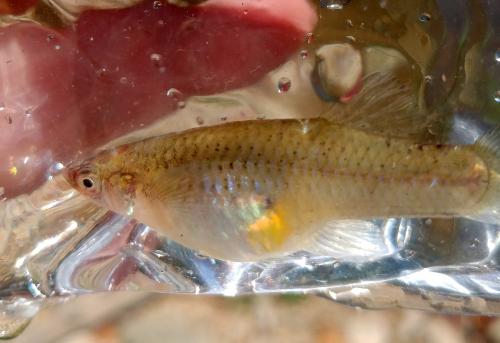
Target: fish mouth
x=70 y=173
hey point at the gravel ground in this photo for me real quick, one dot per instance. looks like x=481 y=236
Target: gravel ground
x=136 y=317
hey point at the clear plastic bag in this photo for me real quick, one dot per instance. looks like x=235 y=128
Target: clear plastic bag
x=55 y=242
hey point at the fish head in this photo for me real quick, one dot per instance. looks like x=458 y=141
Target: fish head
x=106 y=183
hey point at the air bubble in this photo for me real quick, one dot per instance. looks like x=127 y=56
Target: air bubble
x=428 y=78
x=157 y=4
x=101 y=71
x=174 y=93
x=475 y=242
x=304 y=54
x=497 y=56
x=177 y=96
x=200 y=121
x=284 y=85
x=123 y=80
x=309 y=38
x=2 y=106
x=333 y=4
x=497 y=97
x=155 y=57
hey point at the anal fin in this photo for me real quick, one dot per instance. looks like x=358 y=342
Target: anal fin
x=350 y=240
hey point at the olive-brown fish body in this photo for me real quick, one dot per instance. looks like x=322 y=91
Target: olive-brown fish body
x=253 y=189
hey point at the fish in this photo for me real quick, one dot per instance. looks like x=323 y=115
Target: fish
x=249 y=190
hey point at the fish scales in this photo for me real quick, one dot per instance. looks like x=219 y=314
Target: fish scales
x=337 y=171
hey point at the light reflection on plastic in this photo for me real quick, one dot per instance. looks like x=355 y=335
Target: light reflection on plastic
x=436 y=280
x=47 y=243
x=237 y=270
x=54 y=203
x=492 y=240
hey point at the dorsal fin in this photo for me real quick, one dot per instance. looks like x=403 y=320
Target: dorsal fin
x=385 y=106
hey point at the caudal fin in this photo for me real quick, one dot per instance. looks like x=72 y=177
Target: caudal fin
x=488 y=147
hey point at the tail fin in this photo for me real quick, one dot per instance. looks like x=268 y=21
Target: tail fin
x=488 y=147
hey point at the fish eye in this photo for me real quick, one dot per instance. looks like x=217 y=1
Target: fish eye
x=88 y=182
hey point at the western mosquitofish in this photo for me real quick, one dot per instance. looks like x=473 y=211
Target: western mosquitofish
x=248 y=190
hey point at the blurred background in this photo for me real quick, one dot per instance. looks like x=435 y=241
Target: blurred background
x=137 y=317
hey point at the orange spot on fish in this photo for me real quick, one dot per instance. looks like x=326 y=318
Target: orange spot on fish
x=269 y=232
